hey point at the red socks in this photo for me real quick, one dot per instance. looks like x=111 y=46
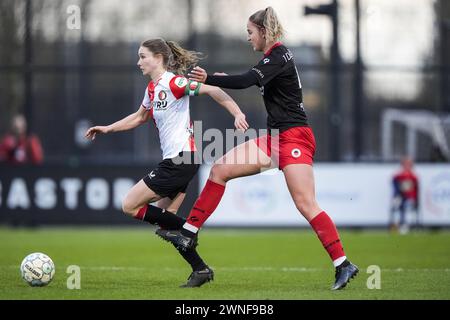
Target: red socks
x=328 y=235
x=206 y=203
x=141 y=213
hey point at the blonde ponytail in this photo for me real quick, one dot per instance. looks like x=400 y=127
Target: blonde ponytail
x=273 y=26
x=268 y=20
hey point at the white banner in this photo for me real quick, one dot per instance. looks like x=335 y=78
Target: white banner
x=352 y=194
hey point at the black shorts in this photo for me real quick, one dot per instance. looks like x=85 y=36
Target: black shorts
x=172 y=176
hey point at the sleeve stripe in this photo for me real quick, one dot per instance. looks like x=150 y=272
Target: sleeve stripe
x=177 y=91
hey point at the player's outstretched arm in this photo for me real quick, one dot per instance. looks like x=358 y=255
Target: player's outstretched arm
x=223 y=80
x=127 y=123
x=228 y=103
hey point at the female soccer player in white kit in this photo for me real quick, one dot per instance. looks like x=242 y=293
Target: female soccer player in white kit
x=166 y=102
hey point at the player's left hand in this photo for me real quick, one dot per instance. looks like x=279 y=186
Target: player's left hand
x=198 y=74
x=240 y=123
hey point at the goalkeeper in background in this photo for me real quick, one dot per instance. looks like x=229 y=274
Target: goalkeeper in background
x=405 y=197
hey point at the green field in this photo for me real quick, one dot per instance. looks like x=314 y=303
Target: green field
x=132 y=263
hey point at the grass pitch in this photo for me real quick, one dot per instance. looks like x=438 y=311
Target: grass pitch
x=132 y=263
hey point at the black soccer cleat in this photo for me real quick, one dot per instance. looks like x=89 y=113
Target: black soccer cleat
x=179 y=240
x=199 y=278
x=344 y=272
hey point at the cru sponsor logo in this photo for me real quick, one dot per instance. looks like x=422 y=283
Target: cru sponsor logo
x=159 y=105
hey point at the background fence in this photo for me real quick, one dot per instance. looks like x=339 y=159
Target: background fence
x=65 y=79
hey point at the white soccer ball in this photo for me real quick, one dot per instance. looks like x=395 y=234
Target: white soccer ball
x=37 y=269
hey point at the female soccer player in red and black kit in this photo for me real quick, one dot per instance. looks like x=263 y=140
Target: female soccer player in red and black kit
x=277 y=77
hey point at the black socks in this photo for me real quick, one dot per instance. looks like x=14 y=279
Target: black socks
x=170 y=221
x=164 y=219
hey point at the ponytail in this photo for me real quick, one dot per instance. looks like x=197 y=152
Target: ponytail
x=268 y=20
x=175 y=58
x=182 y=59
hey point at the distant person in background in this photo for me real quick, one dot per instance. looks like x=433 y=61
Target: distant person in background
x=405 y=197
x=18 y=147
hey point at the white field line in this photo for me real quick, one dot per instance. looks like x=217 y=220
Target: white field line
x=253 y=269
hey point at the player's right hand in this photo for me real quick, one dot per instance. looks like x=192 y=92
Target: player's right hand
x=240 y=123
x=91 y=132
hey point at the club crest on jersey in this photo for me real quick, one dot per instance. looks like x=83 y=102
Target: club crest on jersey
x=162 y=95
x=181 y=82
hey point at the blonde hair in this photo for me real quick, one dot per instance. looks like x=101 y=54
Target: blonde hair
x=268 y=20
x=175 y=57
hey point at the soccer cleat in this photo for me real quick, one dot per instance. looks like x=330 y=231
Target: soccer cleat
x=344 y=272
x=180 y=241
x=199 y=278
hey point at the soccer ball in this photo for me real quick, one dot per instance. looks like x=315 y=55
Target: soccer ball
x=37 y=269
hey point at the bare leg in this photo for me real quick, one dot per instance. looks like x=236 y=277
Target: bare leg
x=244 y=160
x=139 y=196
x=300 y=181
x=171 y=205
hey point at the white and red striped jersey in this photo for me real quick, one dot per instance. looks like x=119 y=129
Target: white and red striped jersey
x=167 y=99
